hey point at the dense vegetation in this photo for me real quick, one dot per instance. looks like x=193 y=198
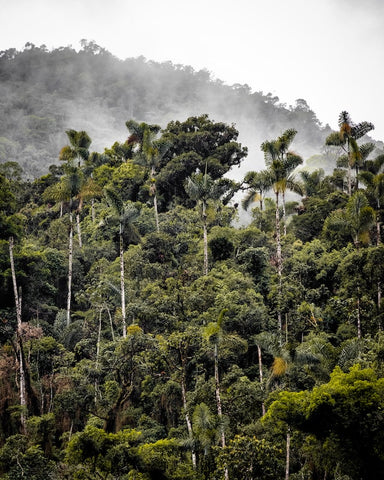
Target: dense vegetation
x=44 y=93
x=145 y=336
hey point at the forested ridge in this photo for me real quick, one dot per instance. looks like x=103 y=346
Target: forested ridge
x=145 y=335
x=44 y=93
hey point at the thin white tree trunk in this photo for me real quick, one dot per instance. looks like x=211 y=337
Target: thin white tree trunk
x=156 y=213
x=79 y=230
x=349 y=171
x=111 y=324
x=284 y=215
x=287 y=461
x=279 y=266
x=70 y=267
x=122 y=284
x=218 y=396
x=261 y=376
x=98 y=352
x=358 y=317
x=205 y=237
x=218 y=403
x=153 y=187
x=23 y=399
x=187 y=419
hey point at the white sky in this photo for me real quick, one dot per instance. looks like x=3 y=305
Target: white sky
x=329 y=52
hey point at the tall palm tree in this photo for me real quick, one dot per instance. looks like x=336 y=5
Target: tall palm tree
x=281 y=163
x=67 y=189
x=215 y=333
x=202 y=188
x=150 y=156
x=346 y=139
x=73 y=154
x=125 y=214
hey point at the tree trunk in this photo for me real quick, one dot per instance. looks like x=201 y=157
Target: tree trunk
x=218 y=396
x=284 y=215
x=79 y=230
x=122 y=284
x=279 y=266
x=98 y=353
x=218 y=403
x=70 y=266
x=187 y=419
x=261 y=377
x=153 y=187
x=23 y=399
x=358 y=317
x=349 y=171
x=111 y=324
x=287 y=455
x=205 y=237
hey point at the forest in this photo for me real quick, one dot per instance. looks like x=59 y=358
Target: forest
x=146 y=333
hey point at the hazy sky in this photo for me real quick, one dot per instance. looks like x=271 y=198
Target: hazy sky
x=329 y=52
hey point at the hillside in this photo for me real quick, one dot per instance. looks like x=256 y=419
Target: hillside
x=44 y=93
x=144 y=334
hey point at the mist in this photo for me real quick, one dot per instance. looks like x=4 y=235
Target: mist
x=45 y=93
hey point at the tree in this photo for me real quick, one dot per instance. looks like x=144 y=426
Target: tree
x=257 y=184
x=77 y=151
x=125 y=214
x=202 y=188
x=342 y=422
x=215 y=333
x=373 y=180
x=346 y=139
x=17 y=295
x=195 y=143
x=356 y=220
x=249 y=458
x=281 y=162
x=150 y=155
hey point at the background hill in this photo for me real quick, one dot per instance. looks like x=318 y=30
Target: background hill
x=43 y=93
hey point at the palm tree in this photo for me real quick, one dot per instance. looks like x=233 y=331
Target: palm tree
x=66 y=190
x=281 y=162
x=125 y=214
x=215 y=333
x=89 y=191
x=202 y=188
x=258 y=183
x=77 y=151
x=346 y=139
x=138 y=131
x=78 y=148
x=312 y=181
x=150 y=156
x=373 y=180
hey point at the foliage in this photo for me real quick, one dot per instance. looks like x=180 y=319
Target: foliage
x=168 y=370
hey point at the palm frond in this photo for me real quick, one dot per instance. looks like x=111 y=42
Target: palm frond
x=362 y=129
